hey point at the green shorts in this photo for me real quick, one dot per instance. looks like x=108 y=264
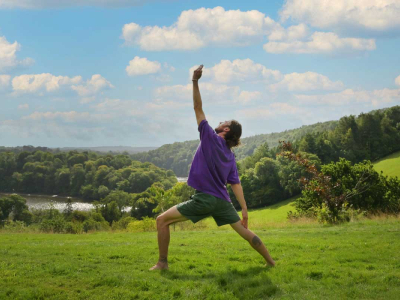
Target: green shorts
x=202 y=205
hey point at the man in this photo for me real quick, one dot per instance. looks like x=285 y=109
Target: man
x=213 y=166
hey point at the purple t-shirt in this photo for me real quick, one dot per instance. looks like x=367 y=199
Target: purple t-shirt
x=213 y=165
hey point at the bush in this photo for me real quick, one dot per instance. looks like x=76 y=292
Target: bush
x=55 y=225
x=147 y=224
x=15 y=226
x=74 y=227
x=93 y=225
x=80 y=216
x=123 y=223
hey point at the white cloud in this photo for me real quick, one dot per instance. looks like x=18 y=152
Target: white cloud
x=397 y=80
x=42 y=82
x=4 y=81
x=201 y=27
x=238 y=70
x=142 y=66
x=372 y=16
x=247 y=96
x=307 y=81
x=295 y=32
x=23 y=106
x=92 y=86
x=48 y=83
x=217 y=94
x=8 y=58
x=373 y=98
x=36 y=4
x=321 y=42
x=211 y=93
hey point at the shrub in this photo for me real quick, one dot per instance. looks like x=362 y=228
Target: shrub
x=123 y=223
x=55 y=225
x=93 y=225
x=74 y=227
x=147 y=224
x=79 y=215
x=15 y=226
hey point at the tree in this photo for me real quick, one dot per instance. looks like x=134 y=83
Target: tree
x=122 y=199
x=111 y=212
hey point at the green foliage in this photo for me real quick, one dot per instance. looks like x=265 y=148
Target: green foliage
x=84 y=174
x=15 y=206
x=55 y=224
x=123 y=199
x=73 y=227
x=111 y=212
x=364 y=191
x=146 y=224
x=122 y=223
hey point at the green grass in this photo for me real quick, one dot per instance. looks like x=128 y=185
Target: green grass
x=358 y=260
x=272 y=216
x=390 y=165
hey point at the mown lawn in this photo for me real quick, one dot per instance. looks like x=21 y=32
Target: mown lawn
x=358 y=260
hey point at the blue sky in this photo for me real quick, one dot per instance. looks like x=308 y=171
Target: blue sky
x=117 y=72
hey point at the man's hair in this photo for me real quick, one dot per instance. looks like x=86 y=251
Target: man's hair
x=232 y=137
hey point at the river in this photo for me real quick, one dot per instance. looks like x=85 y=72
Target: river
x=59 y=202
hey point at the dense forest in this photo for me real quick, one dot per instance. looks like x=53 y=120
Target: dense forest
x=85 y=174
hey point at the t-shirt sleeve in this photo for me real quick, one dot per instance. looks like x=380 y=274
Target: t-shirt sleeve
x=206 y=132
x=233 y=177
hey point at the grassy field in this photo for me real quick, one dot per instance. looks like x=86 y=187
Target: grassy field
x=390 y=165
x=358 y=260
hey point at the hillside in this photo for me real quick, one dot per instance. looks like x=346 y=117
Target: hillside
x=100 y=149
x=390 y=165
x=178 y=156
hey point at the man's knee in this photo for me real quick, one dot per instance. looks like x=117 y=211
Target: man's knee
x=161 y=222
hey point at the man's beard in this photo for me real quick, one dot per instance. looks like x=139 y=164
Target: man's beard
x=218 y=130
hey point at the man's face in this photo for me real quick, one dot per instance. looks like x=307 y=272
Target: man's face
x=222 y=125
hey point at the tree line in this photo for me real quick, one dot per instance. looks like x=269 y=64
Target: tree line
x=87 y=174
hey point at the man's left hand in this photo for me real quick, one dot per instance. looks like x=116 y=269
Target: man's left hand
x=245 y=218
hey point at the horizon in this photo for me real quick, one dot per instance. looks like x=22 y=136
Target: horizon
x=104 y=146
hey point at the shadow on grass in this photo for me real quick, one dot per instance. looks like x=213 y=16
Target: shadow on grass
x=252 y=283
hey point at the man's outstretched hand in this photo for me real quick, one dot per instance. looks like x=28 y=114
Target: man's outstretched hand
x=245 y=218
x=197 y=73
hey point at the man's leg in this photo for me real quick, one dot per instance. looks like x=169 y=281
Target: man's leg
x=253 y=240
x=172 y=215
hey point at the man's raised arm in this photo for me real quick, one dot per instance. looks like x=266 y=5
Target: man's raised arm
x=197 y=104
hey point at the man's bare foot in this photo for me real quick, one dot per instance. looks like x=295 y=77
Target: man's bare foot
x=270 y=263
x=159 y=266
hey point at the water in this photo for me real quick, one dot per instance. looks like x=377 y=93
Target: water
x=60 y=203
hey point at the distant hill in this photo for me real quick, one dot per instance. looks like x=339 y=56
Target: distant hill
x=390 y=165
x=178 y=156
x=102 y=149
x=113 y=149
